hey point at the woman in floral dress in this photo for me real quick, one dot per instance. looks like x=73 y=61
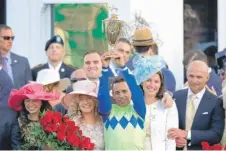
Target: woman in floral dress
x=83 y=110
x=31 y=100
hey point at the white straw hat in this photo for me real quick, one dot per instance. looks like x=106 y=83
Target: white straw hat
x=49 y=76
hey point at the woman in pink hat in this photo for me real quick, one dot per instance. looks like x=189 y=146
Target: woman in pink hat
x=31 y=100
x=82 y=108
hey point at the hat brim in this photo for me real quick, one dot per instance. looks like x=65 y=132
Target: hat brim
x=67 y=98
x=15 y=101
x=63 y=83
x=143 y=43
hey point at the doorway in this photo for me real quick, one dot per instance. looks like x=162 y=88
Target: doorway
x=2 y=11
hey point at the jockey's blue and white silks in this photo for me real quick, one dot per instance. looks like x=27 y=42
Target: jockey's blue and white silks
x=146 y=66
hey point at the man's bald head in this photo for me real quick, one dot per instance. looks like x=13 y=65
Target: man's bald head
x=78 y=74
x=197 y=75
x=199 y=65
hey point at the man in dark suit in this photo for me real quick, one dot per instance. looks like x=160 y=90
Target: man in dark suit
x=16 y=66
x=145 y=46
x=201 y=114
x=55 y=52
x=6 y=84
x=9 y=127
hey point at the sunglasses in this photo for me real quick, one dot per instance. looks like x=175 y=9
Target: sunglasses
x=8 y=37
x=77 y=79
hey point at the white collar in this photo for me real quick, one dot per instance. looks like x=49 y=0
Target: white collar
x=0 y=67
x=198 y=95
x=209 y=70
x=57 y=67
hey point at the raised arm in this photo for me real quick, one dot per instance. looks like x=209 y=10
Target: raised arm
x=104 y=104
x=137 y=94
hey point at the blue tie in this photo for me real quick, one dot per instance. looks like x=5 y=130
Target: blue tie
x=4 y=64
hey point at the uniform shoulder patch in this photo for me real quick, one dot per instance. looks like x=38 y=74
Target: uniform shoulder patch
x=37 y=66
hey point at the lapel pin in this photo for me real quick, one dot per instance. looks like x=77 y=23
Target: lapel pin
x=15 y=61
x=62 y=69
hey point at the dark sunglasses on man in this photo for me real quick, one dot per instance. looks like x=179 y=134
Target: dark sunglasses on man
x=8 y=38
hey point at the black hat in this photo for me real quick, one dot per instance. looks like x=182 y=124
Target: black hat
x=54 y=39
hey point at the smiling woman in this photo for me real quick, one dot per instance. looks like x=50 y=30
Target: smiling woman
x=31 y=100
x=82 y=108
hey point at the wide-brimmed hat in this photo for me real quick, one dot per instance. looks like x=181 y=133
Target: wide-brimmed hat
x=33 y=91
x=85 y=87
x=49 y=76
x=147 y=66
x=143 y=37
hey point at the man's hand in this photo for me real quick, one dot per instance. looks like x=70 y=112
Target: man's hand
x=105 y=58
x=167 y=100
x=181 y=142
x=175 y=133
x=119 y=59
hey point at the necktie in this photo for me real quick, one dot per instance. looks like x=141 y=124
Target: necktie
x=4 y=64
x=190 y=112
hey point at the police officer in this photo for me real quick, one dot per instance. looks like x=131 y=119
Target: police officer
x=55 y=52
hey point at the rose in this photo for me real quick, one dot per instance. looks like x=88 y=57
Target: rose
x=205 y=145
x=66 y=119
x=90 y=146
x=48 y=117
x=54 y=127
x=86 y=144
x=61 y=136
x=62 y=129
x=48 y=128
x=76 y=142
x=217 y=147
x=57 y=117
x=72 y=138
x=71 y=125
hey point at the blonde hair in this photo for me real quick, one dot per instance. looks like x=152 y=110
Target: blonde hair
x=74 y=110
x=50 y=87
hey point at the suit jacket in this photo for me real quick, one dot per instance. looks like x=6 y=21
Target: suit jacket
x=6 y=86
x=169 y=79
x=65 y=70
x=9 y=129
x=163 y=120
x=208 y=123
x=21 y=70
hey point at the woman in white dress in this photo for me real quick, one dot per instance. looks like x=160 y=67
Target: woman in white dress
x=83 y=110
x=159 y=118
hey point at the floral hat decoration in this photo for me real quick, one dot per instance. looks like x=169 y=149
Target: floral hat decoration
x=146 y=66
x=32 y=91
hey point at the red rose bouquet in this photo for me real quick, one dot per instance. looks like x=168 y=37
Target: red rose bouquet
x=59 y=132
x=206 y=146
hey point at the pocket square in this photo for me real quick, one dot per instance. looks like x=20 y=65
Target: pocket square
x=204 y=113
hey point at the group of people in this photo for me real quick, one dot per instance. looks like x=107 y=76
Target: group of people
x=118 y=101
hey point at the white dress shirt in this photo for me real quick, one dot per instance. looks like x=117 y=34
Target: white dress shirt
x=57 y=67
x=198 y=98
